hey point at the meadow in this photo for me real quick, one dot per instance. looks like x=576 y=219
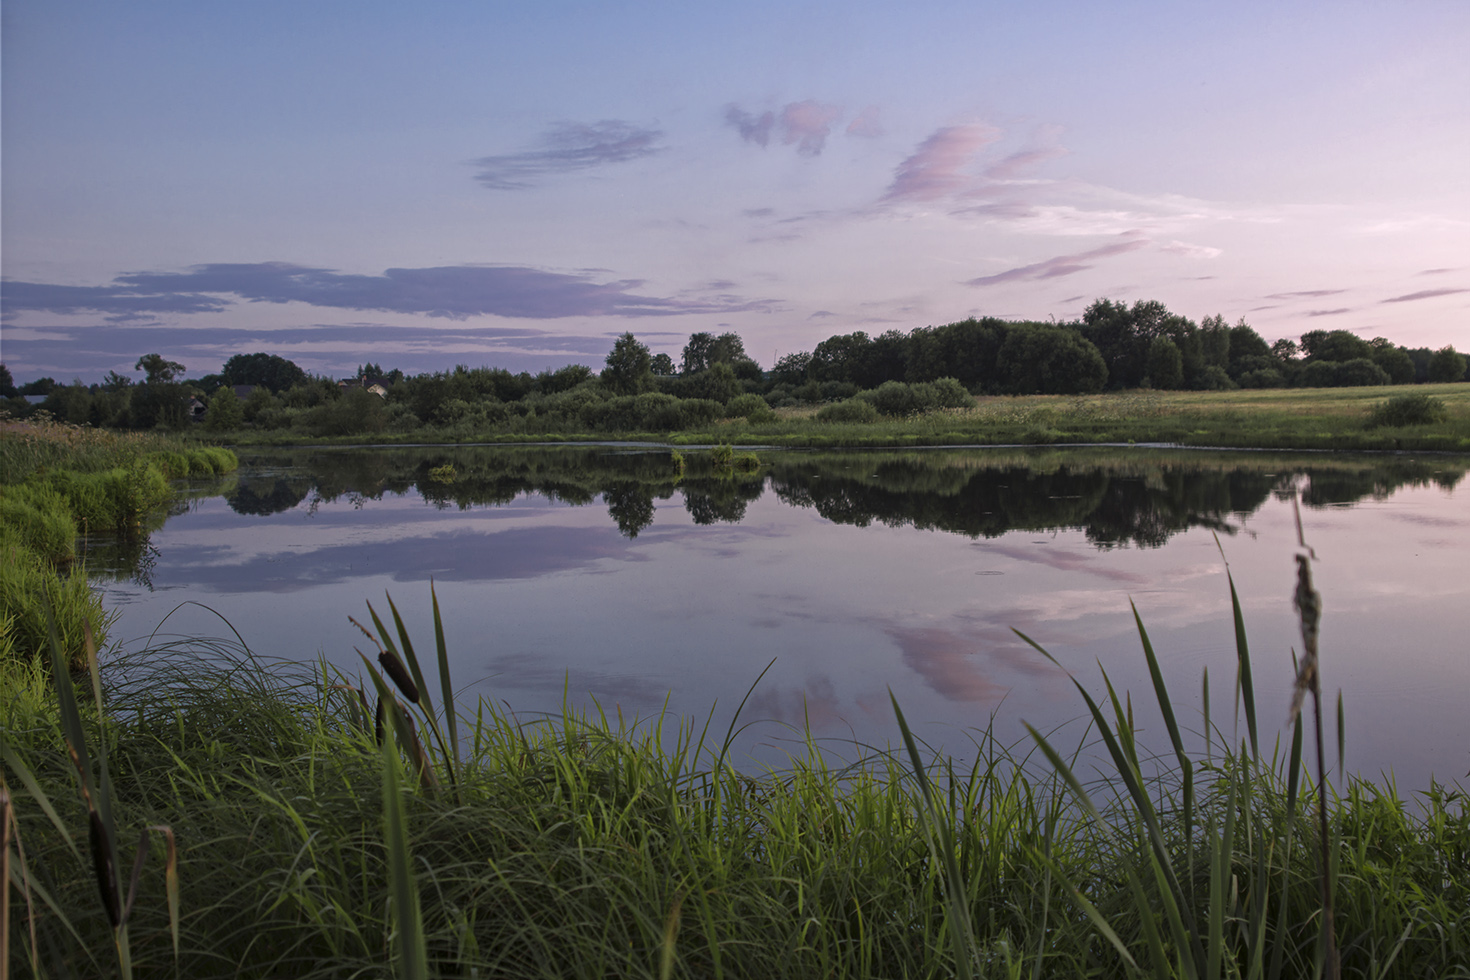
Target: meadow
x=1343 y=419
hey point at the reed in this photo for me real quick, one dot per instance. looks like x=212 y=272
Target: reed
x=594 y=846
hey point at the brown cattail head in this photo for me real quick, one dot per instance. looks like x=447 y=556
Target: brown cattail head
x=105 y=869
x=394 y=668
x=1308 y=604
x=378 y=724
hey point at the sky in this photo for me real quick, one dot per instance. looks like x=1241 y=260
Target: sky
x=517 y=184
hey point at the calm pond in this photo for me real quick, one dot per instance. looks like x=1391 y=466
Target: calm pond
x=603 y=572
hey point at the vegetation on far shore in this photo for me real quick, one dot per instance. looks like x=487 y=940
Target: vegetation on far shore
x=1120 y=374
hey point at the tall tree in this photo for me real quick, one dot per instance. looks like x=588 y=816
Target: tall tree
x=273 y=372
x=1446 y=366
x=159 y=370
x=629 y=366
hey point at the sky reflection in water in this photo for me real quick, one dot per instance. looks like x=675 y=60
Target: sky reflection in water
x=857 y=573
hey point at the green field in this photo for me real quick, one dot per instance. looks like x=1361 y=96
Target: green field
x=1280 y=418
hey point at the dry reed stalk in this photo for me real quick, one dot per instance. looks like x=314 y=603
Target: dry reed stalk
x=1308 y=604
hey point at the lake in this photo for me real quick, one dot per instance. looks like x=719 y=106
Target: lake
x=606 y=573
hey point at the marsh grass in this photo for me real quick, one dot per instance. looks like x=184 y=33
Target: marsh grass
x=57 y=482
x=591 y=846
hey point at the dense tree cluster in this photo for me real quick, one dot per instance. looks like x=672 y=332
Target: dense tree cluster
x=858 y=377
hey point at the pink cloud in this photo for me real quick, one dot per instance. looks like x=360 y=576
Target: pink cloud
x=1022 y=162
x=947 y=661
x=866 y=124
x=1061 y=265
x=934 y=169
x=807 y=124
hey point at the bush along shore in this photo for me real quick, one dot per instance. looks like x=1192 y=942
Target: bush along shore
x=59 y=483
x=195 y=811
x=1434 y=418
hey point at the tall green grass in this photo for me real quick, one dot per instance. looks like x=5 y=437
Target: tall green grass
x=57 y=481
x=319 y=837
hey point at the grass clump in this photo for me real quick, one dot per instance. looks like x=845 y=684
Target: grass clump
x=57 y=481
x=1402 y=410
x=317 y=837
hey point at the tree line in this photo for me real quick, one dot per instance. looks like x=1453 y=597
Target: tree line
x=1113 y=346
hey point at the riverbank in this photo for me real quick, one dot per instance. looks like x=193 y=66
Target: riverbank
x=59 y=483
x=295 y=834
x=1337 y=419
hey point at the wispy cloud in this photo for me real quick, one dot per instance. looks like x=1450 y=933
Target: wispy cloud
x=806 y=124
x=1191 y=251
x=936 y=169
x=444 y=291
x=1061 y=265
x=1328 y=312
x=1022 y=162
x=1425 y=294
x=1307 y=294
x=565 y=148
x=752 y=128
x=867 y=125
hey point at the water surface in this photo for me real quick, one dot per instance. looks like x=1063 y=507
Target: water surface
x=604 y=573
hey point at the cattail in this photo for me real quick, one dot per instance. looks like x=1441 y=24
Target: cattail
x=394 y=668
x=104 y=868
x=1308 y=604
x=378 y=724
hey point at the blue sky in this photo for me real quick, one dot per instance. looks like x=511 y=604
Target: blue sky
x=517 y=184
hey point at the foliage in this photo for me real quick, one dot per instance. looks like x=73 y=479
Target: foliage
x=158 y=369
x=269 y=371
x=629 y=367
x=1446 y=366
x=225 y=411
x=851 y=410
x=753 y=408
x=1165 y=364
x=1050 y=360
x=1408 y=410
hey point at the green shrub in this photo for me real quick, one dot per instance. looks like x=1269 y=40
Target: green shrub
x=1262 y=378
x=752 y=408
x=849 y=411
x=1408 y=410
x=948 y=393
x=699 y=412
x=895 y=398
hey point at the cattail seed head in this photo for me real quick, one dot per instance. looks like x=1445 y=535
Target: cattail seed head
x=394 y=668
x=104 y=867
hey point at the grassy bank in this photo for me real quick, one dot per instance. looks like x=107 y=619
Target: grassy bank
x=61 y=482
x=1296 y=418
x=296 y=832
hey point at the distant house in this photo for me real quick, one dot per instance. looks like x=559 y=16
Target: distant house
x=196 y=410
x=242 y=392
x=378 y=387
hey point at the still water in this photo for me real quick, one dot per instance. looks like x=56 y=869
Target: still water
x=605 y=573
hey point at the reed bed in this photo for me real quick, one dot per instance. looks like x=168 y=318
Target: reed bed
x=317 y=824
